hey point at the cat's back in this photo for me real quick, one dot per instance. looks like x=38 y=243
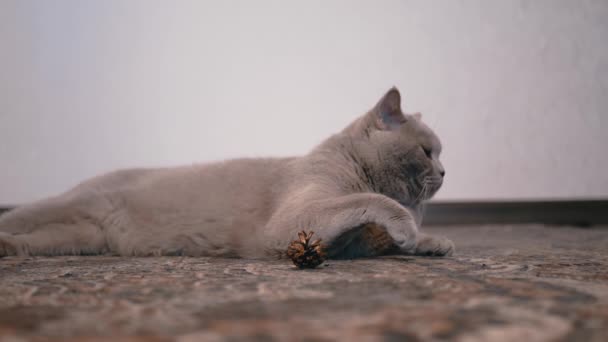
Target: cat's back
x=248 y=184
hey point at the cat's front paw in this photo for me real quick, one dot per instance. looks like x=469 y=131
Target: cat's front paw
x=428 y=245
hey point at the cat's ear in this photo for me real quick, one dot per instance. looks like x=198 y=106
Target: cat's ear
x=388 y=111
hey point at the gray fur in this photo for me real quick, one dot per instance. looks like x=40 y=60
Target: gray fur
x=361 y=190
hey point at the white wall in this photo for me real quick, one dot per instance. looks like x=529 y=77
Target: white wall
x=517 y=90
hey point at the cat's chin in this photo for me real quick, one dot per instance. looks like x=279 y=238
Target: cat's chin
x=432 y=190
x=410 y=204
x=419 y=199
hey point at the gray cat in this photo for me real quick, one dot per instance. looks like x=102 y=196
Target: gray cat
x=361 y=191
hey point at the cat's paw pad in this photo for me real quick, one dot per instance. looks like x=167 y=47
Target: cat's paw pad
x=435 y=246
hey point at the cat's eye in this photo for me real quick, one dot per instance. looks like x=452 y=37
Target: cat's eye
x=427 y=151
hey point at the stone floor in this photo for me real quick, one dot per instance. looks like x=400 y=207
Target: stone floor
x=511 y=283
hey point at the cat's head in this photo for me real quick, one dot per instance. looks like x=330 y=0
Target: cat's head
x=401 y=152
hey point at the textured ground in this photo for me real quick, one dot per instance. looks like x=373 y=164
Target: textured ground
x=523 y=283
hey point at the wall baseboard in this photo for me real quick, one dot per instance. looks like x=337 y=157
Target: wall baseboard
x=563 y=212
x=557 y=212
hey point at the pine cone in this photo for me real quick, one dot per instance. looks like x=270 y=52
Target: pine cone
x=305 y=254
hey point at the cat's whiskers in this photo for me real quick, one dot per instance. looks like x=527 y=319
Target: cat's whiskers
x=422 y=192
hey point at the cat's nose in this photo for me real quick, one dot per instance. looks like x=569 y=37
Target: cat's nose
x=442 y=173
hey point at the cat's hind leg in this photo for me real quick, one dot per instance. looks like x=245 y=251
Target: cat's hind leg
x=56 y=226
x=55 y=239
